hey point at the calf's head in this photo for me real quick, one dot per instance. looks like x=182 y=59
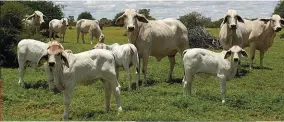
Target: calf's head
x=129 y=19
x=65 y=21
x=55 y=55
x=37 y=16
x=275 y=22
x=232 y=18
x=99 y=46
x=235 y=52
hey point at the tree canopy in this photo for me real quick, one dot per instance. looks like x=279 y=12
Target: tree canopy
x=146 y=13
x=85 y=15
x=279 y=9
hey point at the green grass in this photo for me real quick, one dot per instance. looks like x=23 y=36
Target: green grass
x=259 y=95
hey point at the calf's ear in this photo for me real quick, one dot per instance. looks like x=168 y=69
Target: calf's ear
x=282 y=22
x=225 y=19
x=43 y=58
x=244 y=53
x=240 y=19
x=64 y=58
x=141 y=18
x=265 y=20
x=120 y=20
x=228 y=54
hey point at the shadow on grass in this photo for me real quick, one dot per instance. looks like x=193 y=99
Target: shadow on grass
x=91 y=114
x=242 y=73
x=141 y=84
x=257 y=67
x=175 y=80
x=37 y=85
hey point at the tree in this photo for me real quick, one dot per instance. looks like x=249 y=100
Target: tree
x=279 y=9
x=105 y=22
x=11 y=17
x=195 y=18
x=146 y=13
x=85 y=15
x=217 y=23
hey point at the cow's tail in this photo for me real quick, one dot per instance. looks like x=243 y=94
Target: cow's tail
x=135 y=57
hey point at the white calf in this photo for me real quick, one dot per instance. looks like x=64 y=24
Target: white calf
x=58 y=26
x=68 y=68
x=199 y=60
x=125 y=56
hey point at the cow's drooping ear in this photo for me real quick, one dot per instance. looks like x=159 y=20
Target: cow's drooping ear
x=61 y=47
x=282 y=22
x=141 y=18
x=244 y=53
x=120 y=20
x=225 y=19
x=31 y=16
x=265 y=20
x=240 y=19
x=43 y=58
x=64 y=58
x=228 y=54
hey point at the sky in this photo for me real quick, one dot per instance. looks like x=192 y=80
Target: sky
x=160 y=9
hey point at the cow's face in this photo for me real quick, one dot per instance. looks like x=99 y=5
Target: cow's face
x=65 y=21
x=275 y=22
x=129 y=19
x=55 y=55
x=235 y=52
x=232 y=18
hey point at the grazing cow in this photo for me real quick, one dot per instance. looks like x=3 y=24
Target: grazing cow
x=125 y=56
x=224 y=65
x=158 y=38
x=261 y=35
x=89 y=26
x=34 y=20
x=68 y=68
x=58 y=26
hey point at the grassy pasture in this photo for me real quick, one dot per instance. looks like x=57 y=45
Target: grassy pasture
x=258 y=95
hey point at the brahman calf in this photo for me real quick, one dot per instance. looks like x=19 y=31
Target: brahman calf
x=58 y=26
x=125 y=56
x=223 y=64
x=68 y=68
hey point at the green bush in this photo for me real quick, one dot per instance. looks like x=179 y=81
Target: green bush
x=11 y=25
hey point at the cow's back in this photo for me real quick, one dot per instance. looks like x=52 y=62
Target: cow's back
x=168 y=36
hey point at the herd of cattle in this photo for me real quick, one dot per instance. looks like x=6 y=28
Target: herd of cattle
x=157 y=38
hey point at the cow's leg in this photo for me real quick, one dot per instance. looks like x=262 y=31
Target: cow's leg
x=21 y=72
x=78 y=34
x=117 y=75
x=144 y=69
x=82 y=34
x=261 y=55
x=54 y=34
x=114 y=86
x=127 y=70
x=172 y=65
x=187 y=83
x=50 y=34
x=107 y=94
x=252 y=54
x=91 y=37
x=67 y=99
